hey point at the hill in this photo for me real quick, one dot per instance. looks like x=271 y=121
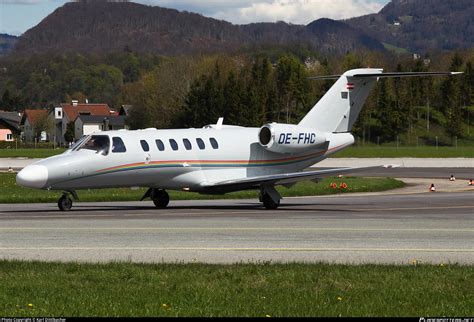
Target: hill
x=421 y=25
x=101 y=27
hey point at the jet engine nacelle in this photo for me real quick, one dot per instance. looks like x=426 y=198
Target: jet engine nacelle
x=288 y=138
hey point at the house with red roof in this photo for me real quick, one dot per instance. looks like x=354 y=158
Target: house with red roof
x=34 y=125
x=97 y=116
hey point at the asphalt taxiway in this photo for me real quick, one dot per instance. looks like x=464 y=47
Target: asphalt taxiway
x=398 y=228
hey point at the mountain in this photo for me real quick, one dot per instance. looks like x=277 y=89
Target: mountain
x=336 y=36
x=7 y=42
x=100 y=27
x=421 y=25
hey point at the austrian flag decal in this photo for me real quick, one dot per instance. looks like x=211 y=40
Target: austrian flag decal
x=350 y=86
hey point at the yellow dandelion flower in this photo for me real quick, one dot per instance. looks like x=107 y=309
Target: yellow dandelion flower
x=164 y=305
x=268 y=316
x=339 y=298
x=30 y=305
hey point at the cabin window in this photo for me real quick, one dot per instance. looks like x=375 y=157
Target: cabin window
x=98 y=143
x=214 y=143
x=117 y=145
x=200 y=143
x=160 y=145
x=173 y=144
x=187 y=144
x=145 y=145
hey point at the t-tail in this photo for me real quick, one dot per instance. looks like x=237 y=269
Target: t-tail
x=339 y=108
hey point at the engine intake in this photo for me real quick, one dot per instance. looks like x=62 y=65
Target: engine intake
x=288 y=138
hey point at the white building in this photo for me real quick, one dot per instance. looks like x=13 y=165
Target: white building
x=88 y=124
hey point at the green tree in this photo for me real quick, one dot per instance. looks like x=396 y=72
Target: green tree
x=390 y=118
x=233 y=100
x=468 y=85
x=204 y=103
x=293 y=87
x=263 y=83
x=11 y=102
x=402 y=107
x=42 y=124
x=159 y=95
x=351 y=61
x=69 y=135
x=452 y=99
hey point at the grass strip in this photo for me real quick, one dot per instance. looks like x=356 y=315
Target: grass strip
x=30 y=153
x=12 y=193
x=253 y=290
x=405 y=152
x=370 y=151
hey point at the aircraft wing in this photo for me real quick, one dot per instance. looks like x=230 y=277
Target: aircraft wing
x=280 y=179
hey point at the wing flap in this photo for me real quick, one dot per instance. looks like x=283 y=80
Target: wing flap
x=280 y=179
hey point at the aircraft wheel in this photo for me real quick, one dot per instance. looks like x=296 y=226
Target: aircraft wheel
x=160 y=198
x=65 y=203
x=269 y=203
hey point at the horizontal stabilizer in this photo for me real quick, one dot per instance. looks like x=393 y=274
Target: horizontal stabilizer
x=387 y=75
x=406 y=74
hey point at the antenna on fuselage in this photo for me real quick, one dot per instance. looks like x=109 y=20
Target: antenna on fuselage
x=219 y=123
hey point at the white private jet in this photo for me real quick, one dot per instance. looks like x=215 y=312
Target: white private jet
x=215 y=159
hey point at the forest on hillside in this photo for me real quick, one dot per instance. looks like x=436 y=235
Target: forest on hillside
x=248 y=89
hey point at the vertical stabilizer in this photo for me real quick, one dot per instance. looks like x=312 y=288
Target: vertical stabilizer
x=339 y=108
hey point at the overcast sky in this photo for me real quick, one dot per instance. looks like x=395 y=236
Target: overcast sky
x=17 y=16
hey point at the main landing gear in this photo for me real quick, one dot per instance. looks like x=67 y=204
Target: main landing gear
x=270 y=197
x=65 y=202
x=159 y=197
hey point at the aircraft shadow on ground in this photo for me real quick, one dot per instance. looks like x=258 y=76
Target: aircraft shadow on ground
x=326 y=207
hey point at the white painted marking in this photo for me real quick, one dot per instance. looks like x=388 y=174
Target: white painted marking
x=316 y=229
x=244 y=249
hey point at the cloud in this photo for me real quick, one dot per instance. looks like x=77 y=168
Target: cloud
x=26 y=2
x=21 y=1
x=298 y=11
x=207 y=7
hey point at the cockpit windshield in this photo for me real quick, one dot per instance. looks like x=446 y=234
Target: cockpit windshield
x=78 y=142
x=98 y=143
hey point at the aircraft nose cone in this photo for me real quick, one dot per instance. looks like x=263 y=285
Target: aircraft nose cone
x=33 y=176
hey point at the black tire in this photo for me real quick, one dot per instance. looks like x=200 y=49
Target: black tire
x=65 y=203
x=160 y=198
x=268 y=202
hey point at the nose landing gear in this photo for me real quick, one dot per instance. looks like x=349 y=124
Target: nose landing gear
x=65 y=202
